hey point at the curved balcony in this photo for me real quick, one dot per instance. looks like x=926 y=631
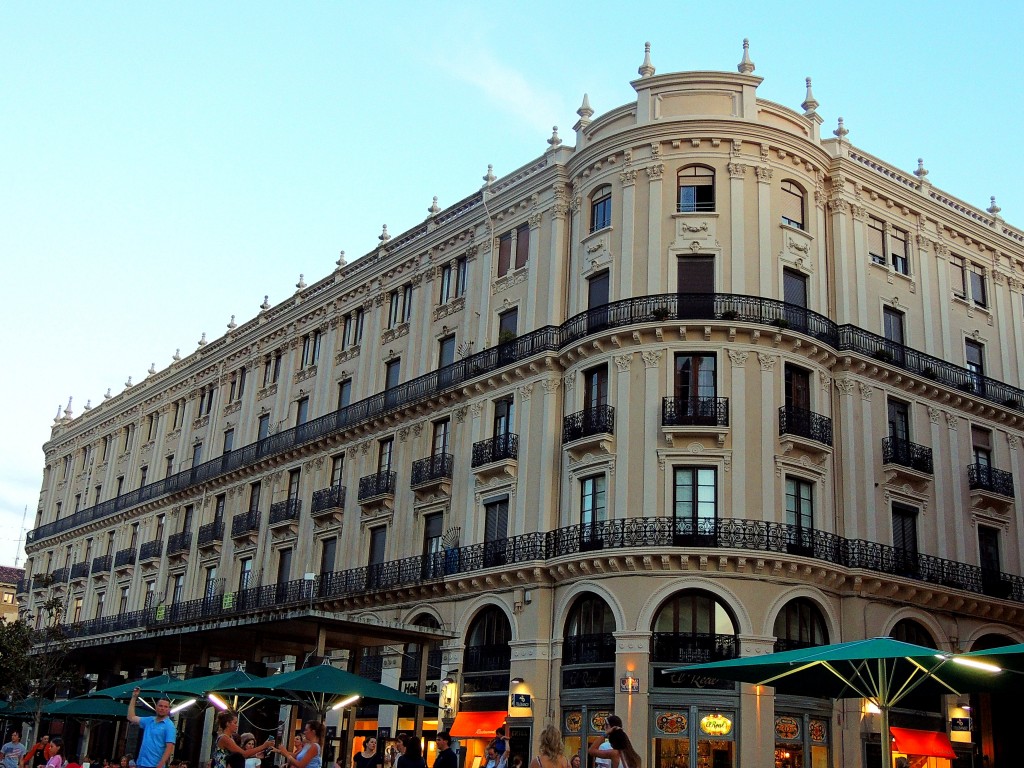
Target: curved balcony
x=433 y=475
x=902 y=455
x=124 y=560
x=60 y=576
x=150 y=551
x=805 y=429
x=637 y=311
x=588 y=649
x=284 y=515
x=692 y=647
x=211 y=535
x=989 y=485
x=496 y=455
x=328 y=504
x=683 y=418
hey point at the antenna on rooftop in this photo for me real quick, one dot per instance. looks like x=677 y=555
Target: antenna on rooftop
x=21 y=535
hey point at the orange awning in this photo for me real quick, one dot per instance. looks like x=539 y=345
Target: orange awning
x=926 y=743
x=477 y=725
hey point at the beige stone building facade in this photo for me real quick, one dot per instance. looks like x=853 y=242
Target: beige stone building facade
x=711 y=381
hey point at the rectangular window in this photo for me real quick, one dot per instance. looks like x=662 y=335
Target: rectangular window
x=522 y=245
x=958 y=276
x=461 y=276
x=904 y=536
x=310 y=349
x=504 y=413
x=67 y=466
x=328 y=553
x=800 y=513
x=508 y=325
x=593 y=500
x=100 y=596
x=197 y=454
x=892 y=325
x=899 y=420
x=169 y=466
x=337 y=468
x=276 y=374
x=446 y=351
x=120 y=485
x=394 y=306
x=294 y=483
x=57 y=506
x=595 y=387
x=898 y=248
x=284 y=566
x=453 y=280
x=210 y=583
x=106 y=448
x=504 y=254
x=696 y=188
x=981 y=443
x=254 y=496
x=344 y=393
x=218 y=507
x=245 y=573
x=974 y=356
x=601 y=209
x=302 y=411
x=186 y=518
x=433 y=546
x=696 y=383
x=385 y=451
x=123 y=608
x=695 y=499
x=177 y=588
x=357 y=326
x=229 y=440
x=263 y=428
x=126 y=437
x=392 y=373
x=378 y=545
x=241 y=383
x=143 y=475
x=876 y=240
x=988 y=551
x=151 y=424
x=98 y=494
x=135 y=536
x=406 y=312
x=150 y=593
x=792 y=205
x=440 y=442
x=78 y=502
x=798 y=387
x=495 y=533
x=979 y=293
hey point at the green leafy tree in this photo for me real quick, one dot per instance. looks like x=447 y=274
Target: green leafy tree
x=33 y=661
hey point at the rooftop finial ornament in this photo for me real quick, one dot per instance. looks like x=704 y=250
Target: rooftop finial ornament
x=993 y=209
x=56 y=419
x=107 y=395
x=554 y=141
x=841 y=130
x=266 y=303
x=384 y=236
x=177 y=355
x=232 y=324
x=434 y=208
x=490 y=178
x=341 y=260
x=128 y=384
x=810 y=104
x=646 y=69
x=585 y=112
x=152 y=369
x=202 y=340
x=921 y=171
x=301 y=285
x=746 y=66
x=88 y=405
x=68 y=414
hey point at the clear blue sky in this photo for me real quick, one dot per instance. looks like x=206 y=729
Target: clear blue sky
x=165 y=165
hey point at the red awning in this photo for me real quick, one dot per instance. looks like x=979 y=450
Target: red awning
x=477 y=725
x=926 y=743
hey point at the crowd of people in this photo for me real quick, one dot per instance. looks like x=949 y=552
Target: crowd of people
x=234 y=750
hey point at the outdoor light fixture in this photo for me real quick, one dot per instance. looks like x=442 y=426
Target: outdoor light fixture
x=345 y=702
x=447 y=681
x=871 y=708
x=975 y=664
x=516 y=681
x=184 y=705
x=217 y=701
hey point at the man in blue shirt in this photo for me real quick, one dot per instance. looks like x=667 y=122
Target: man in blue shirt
x=13 y=751
x=158 y=735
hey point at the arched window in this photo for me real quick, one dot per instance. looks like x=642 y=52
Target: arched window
x=693 y=626
x=792 y=204
x=910 y=631
x=696 y=189
x=601 y=208
x=588 y=632
x=411 y=659
x=799 y=625
x=487 y=641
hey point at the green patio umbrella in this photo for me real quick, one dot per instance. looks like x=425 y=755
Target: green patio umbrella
x=324 y=687
x=1007 y=657
x=882 y=670
x=202 y=687
x=25 y=707
x=124 y=690
x=88 y=708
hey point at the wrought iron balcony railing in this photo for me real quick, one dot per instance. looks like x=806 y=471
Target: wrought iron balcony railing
x=124 y=557
x=179 y=542
x=151 y=550
x=982 y=477
x=327 y=499
x=599 y=420
x=211 y=533
x=806 y=424
x=497 y=448
x=80 y=570
x=589 y=649
x=245 y=523
x=907 y=454
x=60 y=575
x=21 y=587
x=440 y=466
x=638 y=310
x=692 y=647
x=283 y=511
x=102 y=564
x=377 y=484
x=695 y=412
x=487 y=658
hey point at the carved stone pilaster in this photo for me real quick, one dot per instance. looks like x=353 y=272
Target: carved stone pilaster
x=865 y=390
x=624 y=362
x=764 y=175
x=845 y=386
x=628 y=177
x=655 y=172
x=737 y=170
x=767 y=361
x=739 y=359
x=550 y=385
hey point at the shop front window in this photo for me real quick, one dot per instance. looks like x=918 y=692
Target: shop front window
x=801 y=740
x=694 y=737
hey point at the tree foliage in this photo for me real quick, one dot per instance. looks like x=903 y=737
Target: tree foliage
x=32 y=661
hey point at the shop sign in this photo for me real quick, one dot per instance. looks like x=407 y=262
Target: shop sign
x=521 y=700
x=960 y=724
x=670 y=723
x=819 y=731
x=691 y=680
x=716 y=725
x=787 y=727
x=588 y=678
